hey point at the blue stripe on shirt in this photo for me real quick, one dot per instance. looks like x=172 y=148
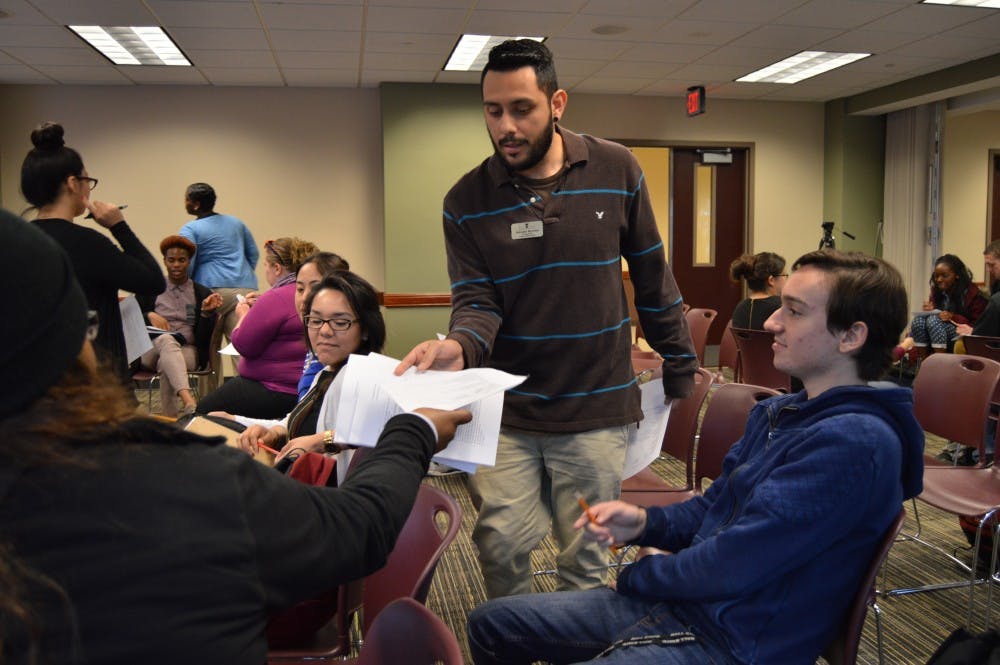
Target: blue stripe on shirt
x=536 y=338
x=579 y=394
x=559 y=264
x=487 y=213
x=661 y=309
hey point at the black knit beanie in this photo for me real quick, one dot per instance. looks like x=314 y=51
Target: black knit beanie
x=45 y=314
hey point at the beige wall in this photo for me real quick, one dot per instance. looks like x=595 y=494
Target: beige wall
x=786 y=205
x=303 y=162
x=965 y=184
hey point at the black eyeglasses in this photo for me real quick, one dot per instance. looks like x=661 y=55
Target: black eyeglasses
x=91 y=182
x=337 y=325
x=93 y=325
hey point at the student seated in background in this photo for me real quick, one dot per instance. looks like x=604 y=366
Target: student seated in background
x=954 y=300
x=765 y=275
x=125 y=540
x=186 y=314
x=309 y=273
x=342 y=317
x=766 y=562
x=269 y=338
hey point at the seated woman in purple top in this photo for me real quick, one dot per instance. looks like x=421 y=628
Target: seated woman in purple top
x=270 y=339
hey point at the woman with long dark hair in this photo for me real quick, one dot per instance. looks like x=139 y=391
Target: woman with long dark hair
x=126 y=540
x=56 y=184
x=954 y=299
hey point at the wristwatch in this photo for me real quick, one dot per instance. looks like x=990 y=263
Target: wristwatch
x=328 y=445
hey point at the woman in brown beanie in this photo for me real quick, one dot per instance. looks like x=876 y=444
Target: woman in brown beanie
x=125 y=540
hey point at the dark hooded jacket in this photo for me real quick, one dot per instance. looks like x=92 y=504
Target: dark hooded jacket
x=769 y=558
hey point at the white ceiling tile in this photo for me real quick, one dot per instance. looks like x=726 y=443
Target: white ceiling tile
x=372 y=78
x=928 y=19
x=262 y=76
x=312 y=17
x=986 y=27
x=536 y=24
x=441 y=4
x=949 y=46
x=208 y=39
x=563 y=6
x=393 y=61
x=636 y=28
x=164 y=75
x=783 y=36
x=215 y=58
x=318 y=60
x=22 y=74
x=404 y=42
x=667 y=53
x=33 y=35
x=666 y=88
x=839 y=14
x=704 y=74
x=745 y=56
x=86 y=75
x=716 y=33
x=663 y=9
x=20 y=12
x=760 y=11
x=399 y=19
x=585 y=48
x=340 y=78
x=651 y=70
x=99 y=12
x=192 y=14
x=7 y=60
x=896 y=65
x=867 y=41
x=73 y=57
x=315 y=40
x=614 y=85
x=568 y=67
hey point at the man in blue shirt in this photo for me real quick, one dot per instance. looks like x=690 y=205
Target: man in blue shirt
x=227 y=253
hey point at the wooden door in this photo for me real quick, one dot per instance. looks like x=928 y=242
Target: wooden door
x=708 y=225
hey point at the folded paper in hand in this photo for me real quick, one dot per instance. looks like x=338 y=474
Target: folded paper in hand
x=371 y=394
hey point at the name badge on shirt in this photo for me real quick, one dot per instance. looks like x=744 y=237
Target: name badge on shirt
x=522 y=230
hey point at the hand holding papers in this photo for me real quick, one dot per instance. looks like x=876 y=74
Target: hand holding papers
x=372 y=394
x=644 y=442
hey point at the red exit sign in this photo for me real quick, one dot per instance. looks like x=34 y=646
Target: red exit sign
x=695 y=100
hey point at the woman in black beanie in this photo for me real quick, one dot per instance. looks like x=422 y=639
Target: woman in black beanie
x=55 y=183
x=125 y=540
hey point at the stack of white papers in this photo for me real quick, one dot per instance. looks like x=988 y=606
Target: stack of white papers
x=372 y=394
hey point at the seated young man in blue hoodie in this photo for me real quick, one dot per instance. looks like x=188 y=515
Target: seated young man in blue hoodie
x=765 y=563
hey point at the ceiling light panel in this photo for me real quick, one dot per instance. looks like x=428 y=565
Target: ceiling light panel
x=472 y=51
x=988 y=4
x=801 y=66
x=132 y=45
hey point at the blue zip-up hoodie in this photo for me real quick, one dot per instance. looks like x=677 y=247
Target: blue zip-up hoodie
x=767 y=561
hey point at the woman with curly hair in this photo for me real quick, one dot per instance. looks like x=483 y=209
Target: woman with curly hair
x=954 y=299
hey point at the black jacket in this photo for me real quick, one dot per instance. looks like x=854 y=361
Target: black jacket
x=169 y=548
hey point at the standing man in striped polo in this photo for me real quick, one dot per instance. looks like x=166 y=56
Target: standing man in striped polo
x=535 y=236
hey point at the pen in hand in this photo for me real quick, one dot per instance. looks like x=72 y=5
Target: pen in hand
x=593 y=520
x=90 y=215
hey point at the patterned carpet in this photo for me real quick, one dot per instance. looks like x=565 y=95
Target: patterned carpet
x=913 y=626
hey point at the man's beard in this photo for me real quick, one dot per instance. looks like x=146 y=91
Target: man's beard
x=536 y=149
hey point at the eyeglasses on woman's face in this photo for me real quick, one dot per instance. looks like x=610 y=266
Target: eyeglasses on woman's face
x=91 y=183
x=336 y=325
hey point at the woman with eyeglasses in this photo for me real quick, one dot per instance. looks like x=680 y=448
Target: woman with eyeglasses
x=56 y=184
x=765 y=275
x=268 y=337
x=342 y=317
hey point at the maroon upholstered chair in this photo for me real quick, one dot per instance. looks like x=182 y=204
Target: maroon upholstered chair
x=844 y=649
x=407 y=632
x=729 y=355
x=723 y=425
x=757 y=359
x=678 y=442
x=699 y=320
